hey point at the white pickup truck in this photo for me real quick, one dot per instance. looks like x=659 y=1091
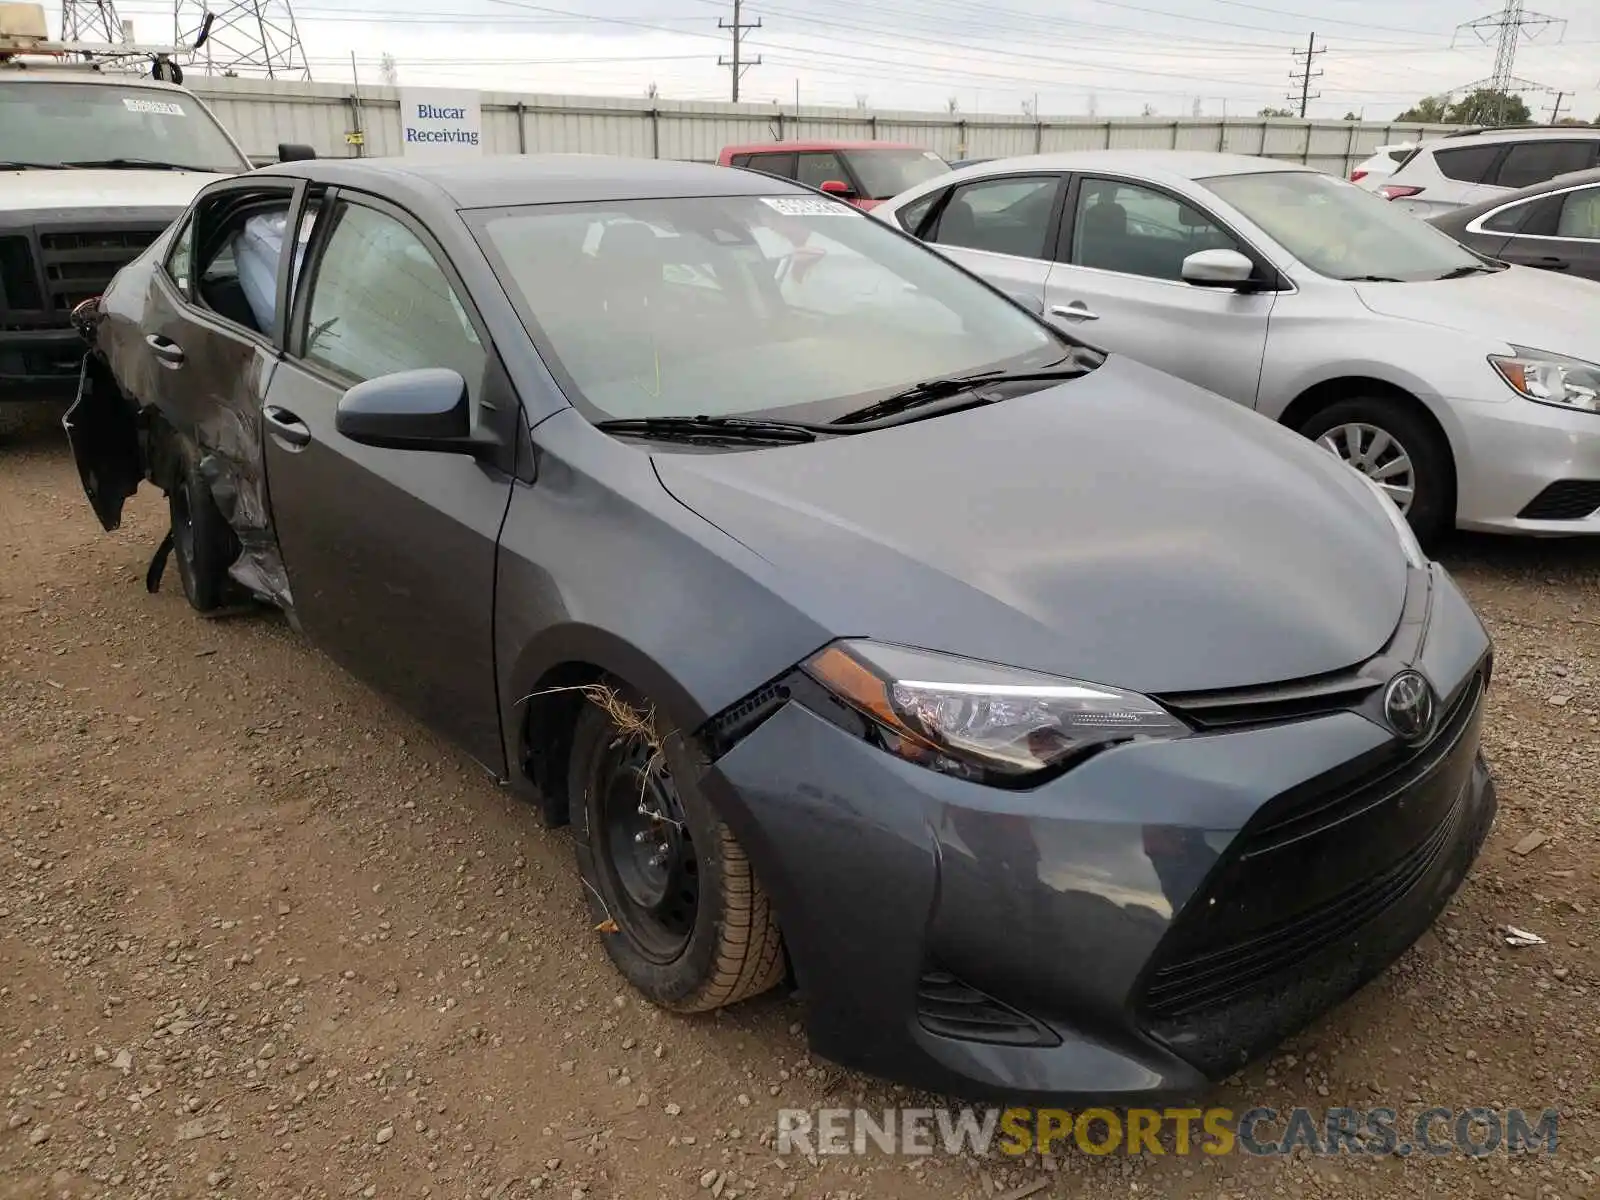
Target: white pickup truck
x=95 y=161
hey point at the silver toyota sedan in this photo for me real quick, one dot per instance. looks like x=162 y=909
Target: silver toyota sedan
x=1467 y=389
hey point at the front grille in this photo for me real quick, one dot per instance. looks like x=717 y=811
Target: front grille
x=953 y=1009
x=1326 y=802
x=1210 y=979
x=1316 y=696
x=78 y=264
x=1564 y=500
x=19 y=285
x=1325 y=886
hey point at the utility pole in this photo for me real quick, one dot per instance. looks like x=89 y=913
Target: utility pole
x=1555 y=109
x=1305 y=74
x=737 y=28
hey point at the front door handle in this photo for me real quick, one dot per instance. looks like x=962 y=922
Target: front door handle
x=286 y=427
x=1551 y=263
x=167 y=351
x=1076 y=311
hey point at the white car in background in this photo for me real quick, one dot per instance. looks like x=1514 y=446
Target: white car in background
x=1375 y=170
x=1467 y=390
x=1465 y=168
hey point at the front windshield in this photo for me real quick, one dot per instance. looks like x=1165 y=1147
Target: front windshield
x=790 y=305
x=52 y=124
x=1341 y=230
x=886 y=173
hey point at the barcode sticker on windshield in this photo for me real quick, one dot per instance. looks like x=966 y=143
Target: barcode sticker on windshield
x=806 y=206
x=163 y=108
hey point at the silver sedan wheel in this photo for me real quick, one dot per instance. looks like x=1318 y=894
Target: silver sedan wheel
x=1378 y=455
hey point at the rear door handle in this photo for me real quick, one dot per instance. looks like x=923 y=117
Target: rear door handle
x=286 y=427
x=1551 y=263
x=167 y=351
x=1076 y=311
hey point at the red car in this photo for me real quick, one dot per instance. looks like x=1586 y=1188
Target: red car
x=864 y=173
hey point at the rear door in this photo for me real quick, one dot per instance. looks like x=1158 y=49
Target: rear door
x=1118 y=279
x=1001 y=228
x=1555 y=232
x=390 y=554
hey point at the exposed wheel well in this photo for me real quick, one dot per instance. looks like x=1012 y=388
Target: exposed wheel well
x=547 y=727
x=1330 y=391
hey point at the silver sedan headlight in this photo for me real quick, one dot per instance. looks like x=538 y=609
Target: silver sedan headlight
x=1550 y=379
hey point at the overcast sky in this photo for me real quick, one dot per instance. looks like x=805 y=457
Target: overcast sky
x=1110 y=57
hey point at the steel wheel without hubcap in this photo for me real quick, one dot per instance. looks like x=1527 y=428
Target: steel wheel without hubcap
x=646 y=848
x=1378 y=455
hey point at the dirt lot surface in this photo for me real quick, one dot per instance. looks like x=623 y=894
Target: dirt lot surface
x=262 y=935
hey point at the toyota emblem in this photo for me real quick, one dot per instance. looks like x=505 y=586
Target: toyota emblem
x=1408 y=706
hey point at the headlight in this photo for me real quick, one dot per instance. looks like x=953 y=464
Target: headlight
x=1402 y=527
x=978 y=720
x=1551 y=378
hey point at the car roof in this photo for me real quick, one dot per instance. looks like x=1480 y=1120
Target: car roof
x=822 y=144
x=1167 y=165
x=49 y=72
x=500 y=180
x=1512 y=134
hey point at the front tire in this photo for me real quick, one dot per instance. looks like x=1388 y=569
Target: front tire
x=693 y=929
x=1397 y=449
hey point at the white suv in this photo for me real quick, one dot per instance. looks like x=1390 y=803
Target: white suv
x=1464 y=168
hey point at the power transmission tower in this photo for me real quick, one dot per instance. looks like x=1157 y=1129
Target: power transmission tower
x=248 y=37
x=1304 y=76
x=738 y=64
x=90 y=21
x=1506 y=29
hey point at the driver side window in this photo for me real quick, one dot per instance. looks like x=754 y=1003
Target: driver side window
x=380 y=303
x=1137 y=230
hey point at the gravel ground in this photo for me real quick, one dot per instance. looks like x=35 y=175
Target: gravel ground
x=262 y=935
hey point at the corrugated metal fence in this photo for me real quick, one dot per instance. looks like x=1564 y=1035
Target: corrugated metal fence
x=340 y=120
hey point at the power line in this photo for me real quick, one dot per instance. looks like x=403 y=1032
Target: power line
x=737 y=28
x=1304 y=76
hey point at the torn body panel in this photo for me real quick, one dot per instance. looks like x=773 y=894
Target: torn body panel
x=163 y=384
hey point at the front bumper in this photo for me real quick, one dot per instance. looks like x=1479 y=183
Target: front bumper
x=1508 y=456
x=38 y=364
x=1134 y=930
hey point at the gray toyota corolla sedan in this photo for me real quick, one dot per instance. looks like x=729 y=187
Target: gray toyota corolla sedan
x=870 y=634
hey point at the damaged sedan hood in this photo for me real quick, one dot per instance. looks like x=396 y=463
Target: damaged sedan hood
x=1124 y=528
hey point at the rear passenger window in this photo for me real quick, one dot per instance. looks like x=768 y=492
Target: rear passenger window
x=380 y=304
x=739 y=160
x=1467 y=164
x=1528 y=163
x=913 y=214
x=1002 y=216
x=781 y=165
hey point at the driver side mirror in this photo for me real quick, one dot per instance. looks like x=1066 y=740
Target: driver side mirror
x=295 y=152
x=425 y=409
x=839 y=188
x=1218 y=269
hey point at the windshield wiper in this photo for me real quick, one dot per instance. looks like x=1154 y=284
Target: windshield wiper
x=1463 y=272
x=134 y=164
x=930 y=390
x=745 y=429
x=1370 y=279
x=14 y=164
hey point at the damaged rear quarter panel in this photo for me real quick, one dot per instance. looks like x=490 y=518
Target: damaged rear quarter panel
x=211 y=406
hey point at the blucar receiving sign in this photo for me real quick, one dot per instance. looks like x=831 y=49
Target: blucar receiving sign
x=440 y=124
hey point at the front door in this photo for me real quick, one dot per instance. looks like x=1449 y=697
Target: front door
x=1119 y=284
x=390 y=554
